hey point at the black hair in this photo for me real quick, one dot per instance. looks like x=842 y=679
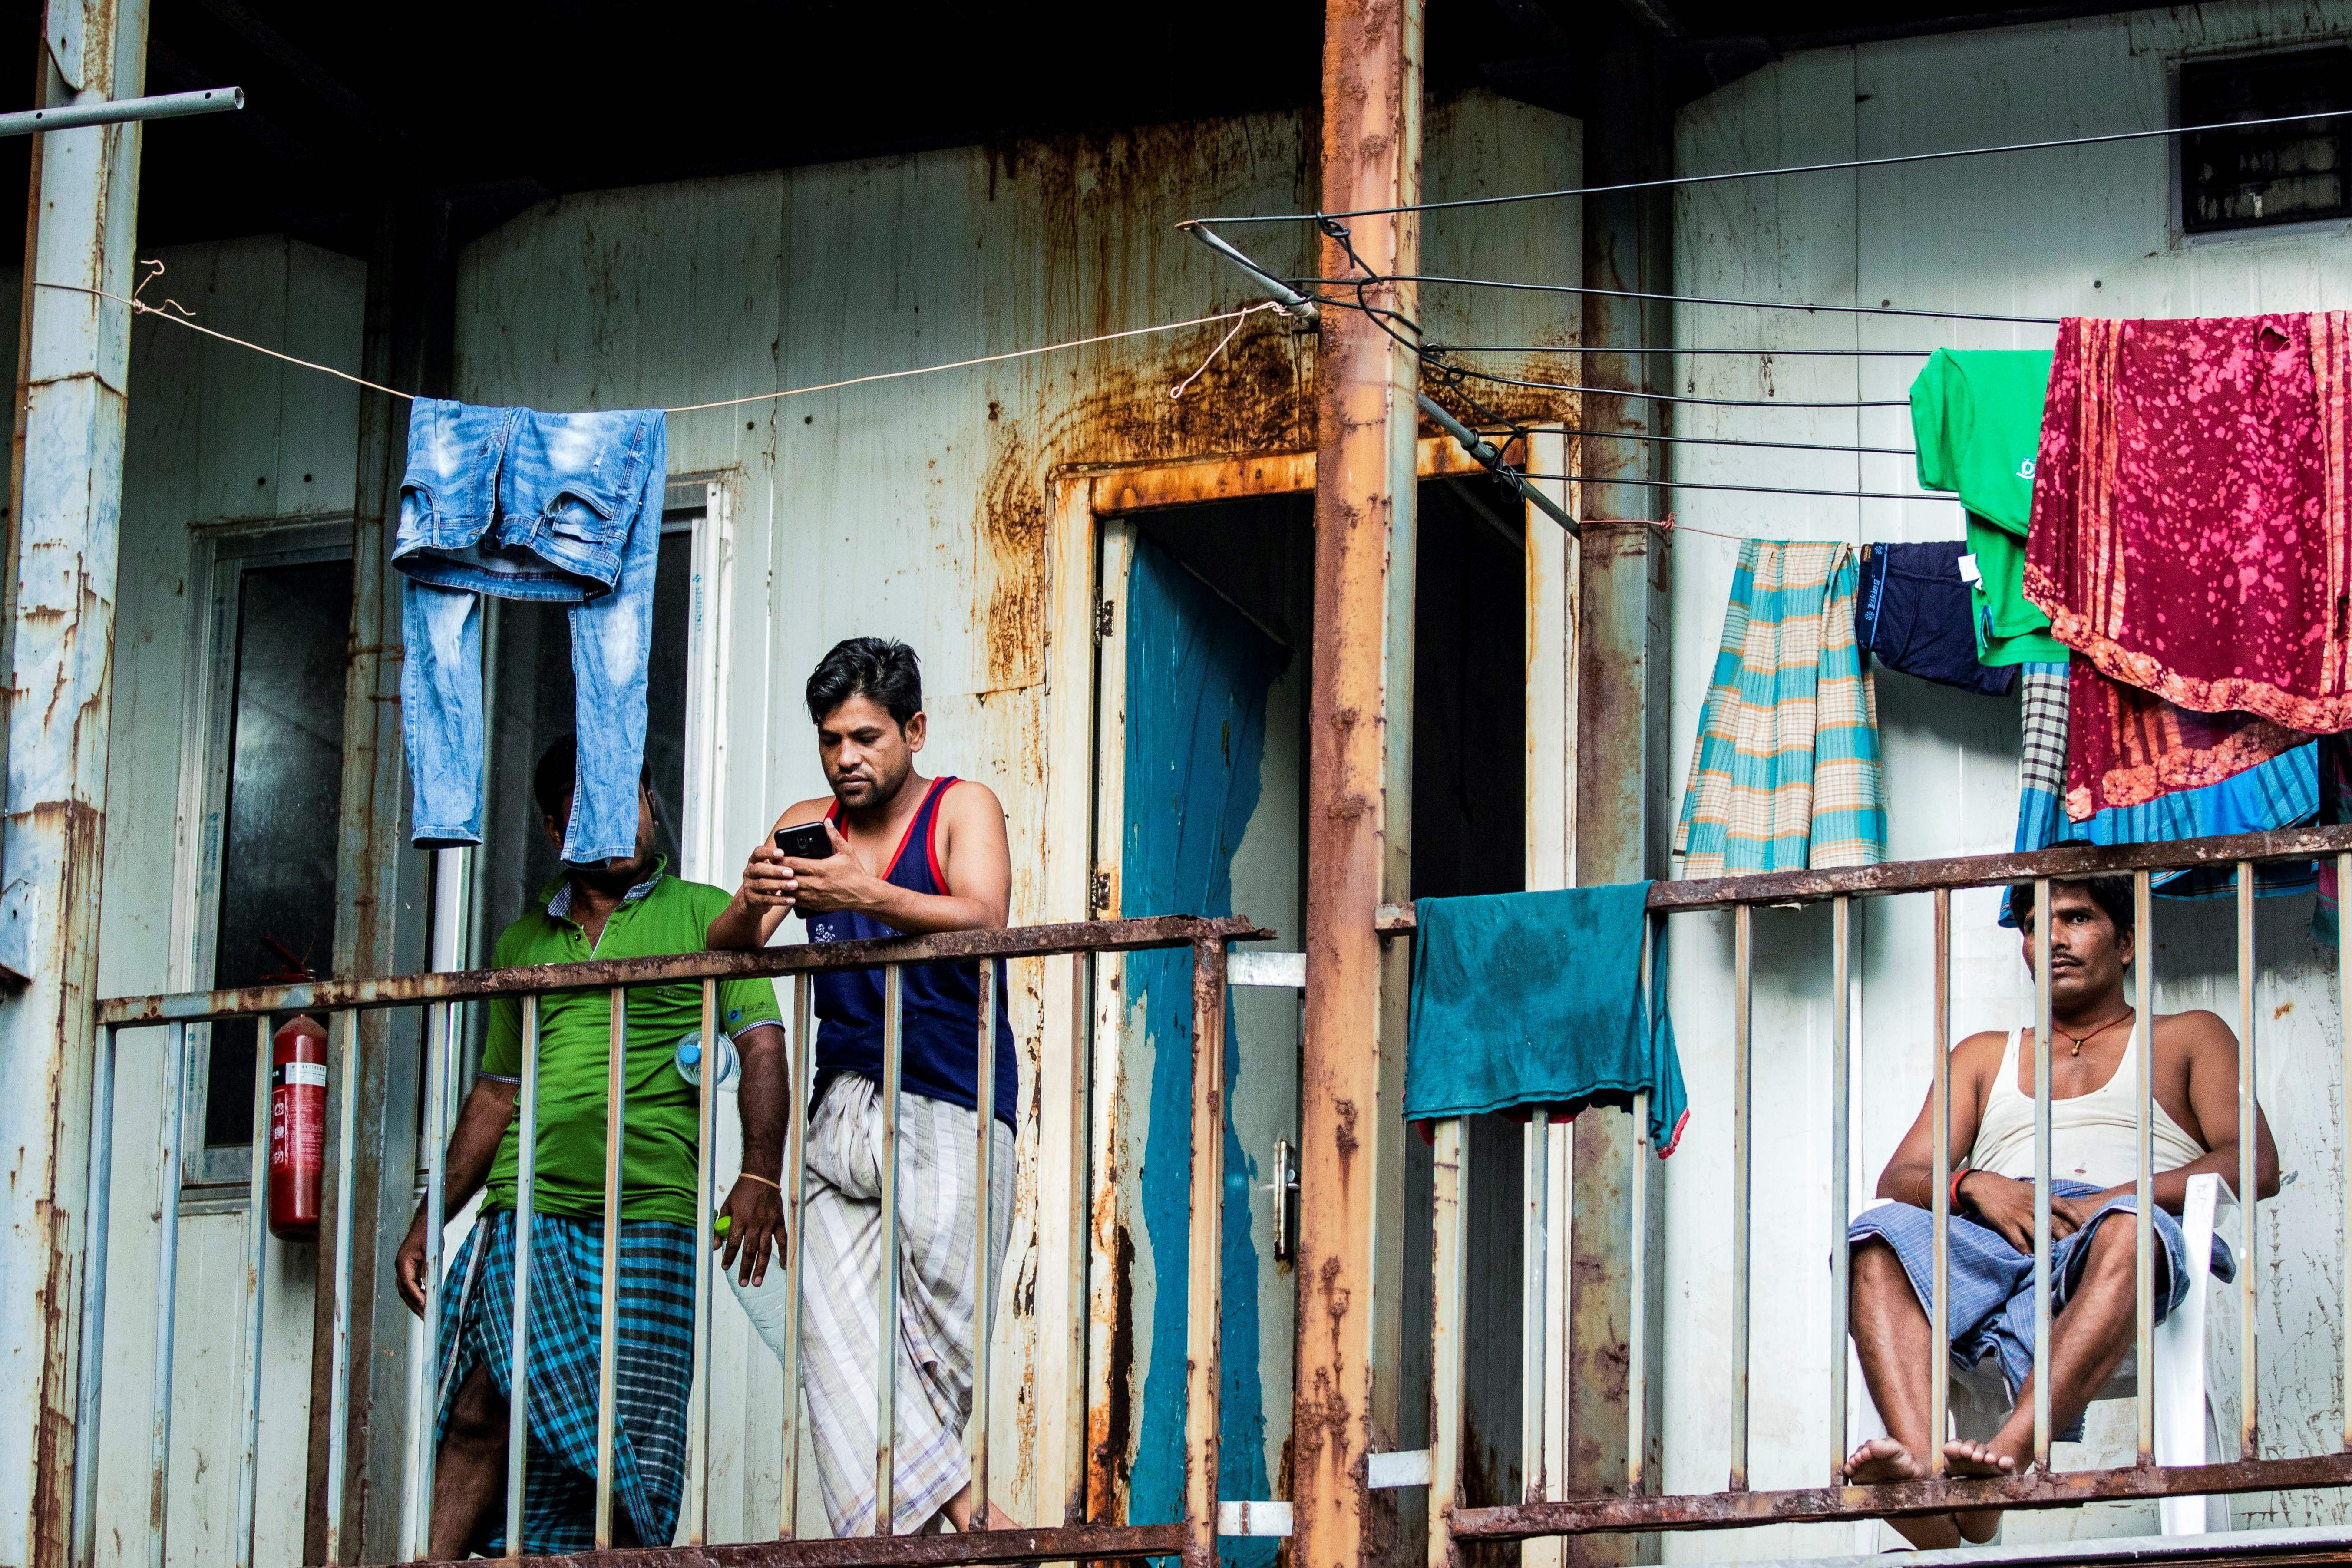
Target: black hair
x=880 y=668
x=2111 y=894
x=558 y=770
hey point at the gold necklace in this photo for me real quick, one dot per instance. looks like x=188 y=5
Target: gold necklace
x=2102 y=1030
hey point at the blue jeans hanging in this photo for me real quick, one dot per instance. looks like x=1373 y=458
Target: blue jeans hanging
x=560 y=507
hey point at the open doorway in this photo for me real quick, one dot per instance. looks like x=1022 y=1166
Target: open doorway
x=1202 y=754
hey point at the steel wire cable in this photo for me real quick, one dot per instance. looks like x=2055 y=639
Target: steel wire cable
x=1670 y=180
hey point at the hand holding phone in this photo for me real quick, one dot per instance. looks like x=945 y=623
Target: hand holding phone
x=808 y=841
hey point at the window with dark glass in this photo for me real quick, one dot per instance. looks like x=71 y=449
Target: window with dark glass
x=275 y=883
x=2255 y=175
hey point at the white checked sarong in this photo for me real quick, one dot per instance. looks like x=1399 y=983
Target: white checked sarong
x=841 y=1297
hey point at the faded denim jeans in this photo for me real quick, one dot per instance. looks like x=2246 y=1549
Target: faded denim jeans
x=560 y=507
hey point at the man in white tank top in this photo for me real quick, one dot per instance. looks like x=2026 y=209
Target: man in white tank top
x=2094 y=1165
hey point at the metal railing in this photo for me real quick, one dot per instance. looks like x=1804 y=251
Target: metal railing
x=1638 y=1507
x=339 y=1003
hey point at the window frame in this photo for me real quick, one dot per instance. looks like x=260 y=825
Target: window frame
x=221 y=557
x=2175 y=220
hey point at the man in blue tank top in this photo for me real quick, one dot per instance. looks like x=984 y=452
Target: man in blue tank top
x=910 y=856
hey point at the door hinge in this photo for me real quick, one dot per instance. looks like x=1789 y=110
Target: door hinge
x=1099 y=894
x=1104 y=621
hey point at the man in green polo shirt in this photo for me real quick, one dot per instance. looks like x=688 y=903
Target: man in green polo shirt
x=618 y=909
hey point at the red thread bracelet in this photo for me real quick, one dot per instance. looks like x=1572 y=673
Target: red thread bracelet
x=1953 y=1198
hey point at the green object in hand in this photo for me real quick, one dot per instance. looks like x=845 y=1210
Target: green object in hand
x=721 y=1223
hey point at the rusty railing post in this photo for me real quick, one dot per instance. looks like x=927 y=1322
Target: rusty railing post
x=1205 y=1295
x=1358 y=808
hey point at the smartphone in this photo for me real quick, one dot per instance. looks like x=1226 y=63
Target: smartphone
x=809 y=841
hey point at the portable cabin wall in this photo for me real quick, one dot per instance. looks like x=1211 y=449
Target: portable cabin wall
x=920 y=507
x=916 y=508
x=2084 y=231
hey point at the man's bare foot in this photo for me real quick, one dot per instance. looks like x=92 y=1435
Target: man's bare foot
x=1879 y=1461
x=1963 y=1460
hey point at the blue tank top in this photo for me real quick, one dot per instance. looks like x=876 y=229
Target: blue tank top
x=939 y=1002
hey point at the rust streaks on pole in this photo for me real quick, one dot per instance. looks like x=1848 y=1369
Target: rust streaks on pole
x=2040 y=1488
x=599 y=974
x=1358 y=790
x=796 y=1177
x=2041 y=1313
x=984 y=1252
x=1448 y=1342
x=608 y=1311
x=1939 y=1116
x=2144 y=1167
x=886 y=1327
x=2249 y=1145
x=1841 y=1199
x=698 y=1413
x=346 y=1078
x=167 y=1274
x=1743 y=1008
x=519 y=1326
x=1204 y=1266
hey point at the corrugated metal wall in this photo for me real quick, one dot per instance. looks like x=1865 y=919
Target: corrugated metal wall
x=2083 y=231
x=917 y=508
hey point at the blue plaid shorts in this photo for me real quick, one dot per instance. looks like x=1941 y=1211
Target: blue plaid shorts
x=653 y=1369
x=1992 y=1282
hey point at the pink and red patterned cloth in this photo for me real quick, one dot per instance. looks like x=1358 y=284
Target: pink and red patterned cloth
x=2190 y=542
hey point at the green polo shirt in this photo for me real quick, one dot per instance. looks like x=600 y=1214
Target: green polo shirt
x=1975 y=417
x=661 y=916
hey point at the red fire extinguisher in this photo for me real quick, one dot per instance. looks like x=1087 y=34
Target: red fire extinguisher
x=298 y=1127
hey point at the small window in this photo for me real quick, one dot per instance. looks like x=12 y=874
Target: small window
x=2265 y=174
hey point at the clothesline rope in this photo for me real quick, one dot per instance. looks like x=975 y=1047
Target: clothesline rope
x=179 y=315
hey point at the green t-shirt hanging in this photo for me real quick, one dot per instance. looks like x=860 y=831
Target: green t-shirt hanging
x=1976 y=420
x=659 y=917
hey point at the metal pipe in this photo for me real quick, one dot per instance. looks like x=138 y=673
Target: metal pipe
x=441 y=1050
x=698 y=1413
x=1491 y=460
x=1841 y=1198
x=1298 y=306
x=984 y=1265
x=1637 y=1322
x=608 y=1311
x=161 y=106
x=256 y=1260
x=2042 y=1027
x=2144 y=1191
x=518 y=1329
x=2249 y=1139
x=339 y=1385
x=886 y=1327
x=1204 y=1267
x=1535 y=1148
x=97 y=1217
x=1743 y=1003
x=1450 y=1281
x=944 y=947
x=167 y=1277
x=1939 y=1200
x=795 y=1178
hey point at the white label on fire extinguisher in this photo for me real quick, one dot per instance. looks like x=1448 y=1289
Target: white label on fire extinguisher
x=301 y=1074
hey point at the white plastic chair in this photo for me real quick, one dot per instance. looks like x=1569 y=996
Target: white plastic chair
x=2186 y=1432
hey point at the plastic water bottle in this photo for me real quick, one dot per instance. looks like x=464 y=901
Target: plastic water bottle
x=767 y=1304
x=689 y=1060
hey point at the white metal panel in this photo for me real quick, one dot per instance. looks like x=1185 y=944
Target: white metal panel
x=2080 y=231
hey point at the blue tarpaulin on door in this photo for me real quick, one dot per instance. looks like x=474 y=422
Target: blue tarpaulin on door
x=1197 y=678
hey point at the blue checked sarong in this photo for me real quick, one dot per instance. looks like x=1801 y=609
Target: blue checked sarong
x=653 y=1368
x=1785 y=772
x=1992 y=1282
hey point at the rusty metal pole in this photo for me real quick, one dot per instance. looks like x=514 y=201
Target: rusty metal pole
x=66 y=485
x=1350 y=1256
x=1620 y=789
